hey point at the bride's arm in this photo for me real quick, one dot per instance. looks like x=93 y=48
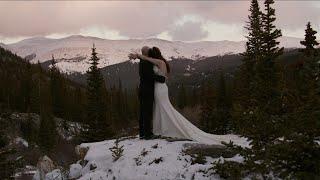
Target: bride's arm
x=154 y=61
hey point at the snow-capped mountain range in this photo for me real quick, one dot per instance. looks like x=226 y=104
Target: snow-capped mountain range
x=73 y=53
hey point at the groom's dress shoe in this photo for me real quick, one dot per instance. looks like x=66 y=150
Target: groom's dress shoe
x=147 y=137
x=151 y=137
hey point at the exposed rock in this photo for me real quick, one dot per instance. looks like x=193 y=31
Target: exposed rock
x=81 y=151
x=68 y=129
x=30 y=57
x=21 y=141
x=92 y=166
x=214 y=151
x=14 y=121
x=45 y=165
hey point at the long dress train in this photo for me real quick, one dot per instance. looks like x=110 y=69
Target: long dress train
x=167 y=121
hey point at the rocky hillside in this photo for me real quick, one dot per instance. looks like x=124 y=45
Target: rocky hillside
x=20 y=140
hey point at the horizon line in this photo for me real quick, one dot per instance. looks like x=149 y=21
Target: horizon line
x=148 y=38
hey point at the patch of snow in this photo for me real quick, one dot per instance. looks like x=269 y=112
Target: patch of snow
x=75 y=171
x=36 y=176
x=28 y=170
x=139 y=161
x=134 y=61
x=54 y=175
x=20 y=140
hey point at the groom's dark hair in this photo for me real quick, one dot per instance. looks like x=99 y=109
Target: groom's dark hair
x=155 y=52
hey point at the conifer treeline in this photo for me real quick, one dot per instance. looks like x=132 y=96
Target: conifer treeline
x=29 y=88
x=276 y=106
x=216 y=106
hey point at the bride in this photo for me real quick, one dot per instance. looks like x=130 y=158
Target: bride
x=167 y=121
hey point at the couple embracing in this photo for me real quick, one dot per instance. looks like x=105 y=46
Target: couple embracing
x=157 y=115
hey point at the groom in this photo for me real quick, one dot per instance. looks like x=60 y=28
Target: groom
x=146 y=94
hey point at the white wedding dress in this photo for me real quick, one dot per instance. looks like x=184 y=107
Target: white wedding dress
x=168 y=122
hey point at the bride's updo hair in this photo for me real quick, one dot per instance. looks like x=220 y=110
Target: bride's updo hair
x=155 y=52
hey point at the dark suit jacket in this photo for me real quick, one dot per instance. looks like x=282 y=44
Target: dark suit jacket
x=147 y=76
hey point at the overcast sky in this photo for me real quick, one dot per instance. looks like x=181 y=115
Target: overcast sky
x=178 y=20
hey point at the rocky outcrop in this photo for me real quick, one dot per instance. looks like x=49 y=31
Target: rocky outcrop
x=81 y=151
x=15 y=122
x=44 y=166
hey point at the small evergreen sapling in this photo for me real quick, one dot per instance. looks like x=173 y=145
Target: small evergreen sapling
x=117 y=150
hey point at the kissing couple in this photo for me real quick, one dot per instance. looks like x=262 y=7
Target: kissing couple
x=157 y=114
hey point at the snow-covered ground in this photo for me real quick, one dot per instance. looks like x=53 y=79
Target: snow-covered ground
x=146 y=159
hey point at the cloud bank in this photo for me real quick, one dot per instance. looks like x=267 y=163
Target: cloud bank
x=178 y=20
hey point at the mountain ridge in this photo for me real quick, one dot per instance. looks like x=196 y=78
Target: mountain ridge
x=72 y=53
x=93 y=37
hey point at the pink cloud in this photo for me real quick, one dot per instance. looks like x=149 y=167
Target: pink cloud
x=136 y=19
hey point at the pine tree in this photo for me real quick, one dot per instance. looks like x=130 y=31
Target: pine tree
x=27 y=88
x=207 y=106
x=126 y=109
x=309 y=41
x=47 y=131
x=182 y=97
x=280 y=116
x=260 y=118
x=193 y=100
x=245 y=78
x=113 y=113
x=270 y=44
x=309 y=86
x=222 y=118
x=78 y=106
x=58 y=90
x=301 y=102
x=29 y=129
x=121 y=104
x=254 y=37
x=267 y=109
x=96 y=122
x=36 y=90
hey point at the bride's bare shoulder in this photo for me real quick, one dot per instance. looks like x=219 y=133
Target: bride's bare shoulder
x=164 y=69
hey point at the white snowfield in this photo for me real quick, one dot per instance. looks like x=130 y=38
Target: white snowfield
x=148 y=160
x=73 y=53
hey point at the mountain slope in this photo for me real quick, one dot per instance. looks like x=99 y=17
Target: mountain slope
x=189 y=72
x=72 y=53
